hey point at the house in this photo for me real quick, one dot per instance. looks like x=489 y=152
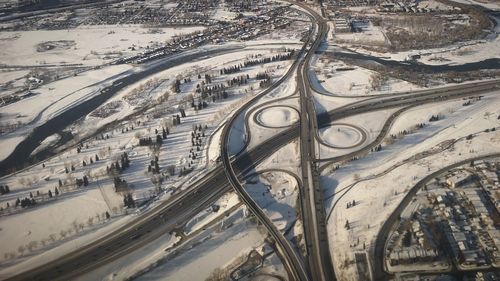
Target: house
x=458 y=179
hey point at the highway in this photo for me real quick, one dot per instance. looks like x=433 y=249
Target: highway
x=318 y=256
x=162 y=219
x=210 y=187
x=206 y=190
x=313 y=211
x=290 y=258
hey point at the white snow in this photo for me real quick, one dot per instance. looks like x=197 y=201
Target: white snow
x=224 y=203
x=370 y=35
x=78 y=205
x=369 y=124
x=493 y=5
x=127 y=265
x=86 y=45
x=49 y=141
x=277 y=193
x=277 y=116
x=217 y=249
x=340 y=135
x=342 y=79
x=8 y=144
x=63 y=248
x=388 y=174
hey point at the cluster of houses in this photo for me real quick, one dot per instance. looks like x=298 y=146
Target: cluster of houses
x=412 y=243
x=345 y=24
x=348 y=3
x=469 y=217
x=462 y=208
x=401 y=7
x=245 y=28
x=412 y=255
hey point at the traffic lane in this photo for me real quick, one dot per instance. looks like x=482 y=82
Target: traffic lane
x=129 y=240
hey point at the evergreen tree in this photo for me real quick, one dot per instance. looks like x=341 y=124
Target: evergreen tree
x=131 y=201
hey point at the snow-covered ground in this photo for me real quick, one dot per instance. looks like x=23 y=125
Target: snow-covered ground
x=434 y=5
x=85 y=238
x=219 y=248
x=455 y=54
x=239 y=136
x=59 y=96
x=386 y=175
x=352 y=133
x=260 y=133
x=223 y=204
x=339 y=78
x=276 y=193
x=325 y=103
x=210 y=249
x=370 y=35
x=84 y=45
x=277 y=116
x=493 y=5
x=48 y=142
x=80 y=205
x=341 y=135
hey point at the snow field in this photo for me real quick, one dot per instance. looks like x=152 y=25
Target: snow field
x=90 y=45
x=85 y=238
x=356 y=128
x=225 y=203
x=389 y=176
x=338 y=78
x=370 y=35
x=48 y=142
x=324 y=103
x=341 y=136
x=259 y=133
x=286 y=158
x=123 y=137
x=455 y=54
x=277 y=116
x=276 y=192
x=217 y=249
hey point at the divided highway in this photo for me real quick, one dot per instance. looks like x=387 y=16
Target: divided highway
x=167 y=216
x=313 y=211
x=208 y=189
x=164 y=218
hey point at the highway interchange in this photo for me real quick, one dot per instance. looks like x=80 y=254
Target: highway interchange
x=166 y=217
